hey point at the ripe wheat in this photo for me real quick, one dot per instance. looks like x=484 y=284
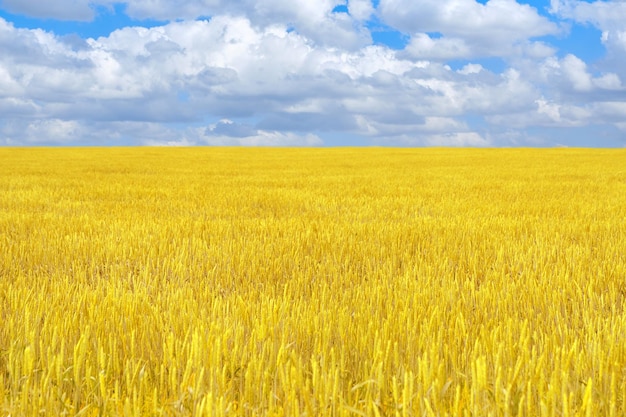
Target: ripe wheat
x=340 y=282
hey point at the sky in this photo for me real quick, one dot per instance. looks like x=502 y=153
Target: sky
x=496 y=73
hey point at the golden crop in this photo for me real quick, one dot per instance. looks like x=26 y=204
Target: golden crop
x=339 y=282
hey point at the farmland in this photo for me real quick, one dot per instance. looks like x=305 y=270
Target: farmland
x=234 y=281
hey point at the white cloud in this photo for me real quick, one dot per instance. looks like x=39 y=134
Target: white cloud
x=457 y=139
x=615 y=39
x=572 y=75
x=471 y=69
x=608 y=82
x=360 y=9
x=469 y=18
x=313 y=19
x=549 y=109
x=609 y=16
x=9 y=86
x=229 y=133
x=80 y=10
x=545 y=114
x=575 y=70
x=44 y=131
x=172 y=143
x=536 y=50
x=468 y=28
x=613 y=111
x=186 y=72
x=422 y=46
x=292 y=73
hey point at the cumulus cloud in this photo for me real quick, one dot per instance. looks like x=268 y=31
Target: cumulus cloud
x=293 y=73
x=572 y=75
x=314 y=19
x=551 y=110
x=608 y=16
x=229 y=128
x=227 y=68
x=80 y=10
x=41 y=132
x=545 y=114
x=229 y=133
x=360 y=9
x=465 y=28
x=423 y=46
x=575 y=70
x=457 y=139
x=168 y=74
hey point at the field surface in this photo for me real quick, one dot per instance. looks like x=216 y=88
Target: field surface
x=339 y=282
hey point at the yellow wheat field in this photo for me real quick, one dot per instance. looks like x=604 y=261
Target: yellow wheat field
x=317 y=282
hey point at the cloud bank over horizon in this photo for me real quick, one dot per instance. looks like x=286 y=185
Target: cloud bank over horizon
x=302 y=73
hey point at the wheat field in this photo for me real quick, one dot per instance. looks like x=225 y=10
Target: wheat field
x=317 y=282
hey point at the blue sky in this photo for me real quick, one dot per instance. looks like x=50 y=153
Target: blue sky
x=303 y=73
